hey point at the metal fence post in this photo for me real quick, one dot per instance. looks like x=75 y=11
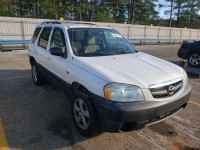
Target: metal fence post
x=181 y=34
x=1 y=44
x=22 y=30
x=170 y=34
x=158 y=36
x=190 y=34
x=158 y=33
x=128 y=35
x=145 y=33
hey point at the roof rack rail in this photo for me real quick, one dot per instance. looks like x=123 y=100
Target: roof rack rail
x=86 y=23
x=76 y=22
x=51 y=22
x=73 y=22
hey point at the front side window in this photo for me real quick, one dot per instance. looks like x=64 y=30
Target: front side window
x=44 y=37
x=35 y=35
x=98 y=41
x=58 y=39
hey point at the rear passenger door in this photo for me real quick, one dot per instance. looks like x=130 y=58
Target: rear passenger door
x=58 y=64
x=43 y=46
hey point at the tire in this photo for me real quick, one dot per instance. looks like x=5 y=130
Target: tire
x=83 y=113
x=36 y=75
x=194 y=59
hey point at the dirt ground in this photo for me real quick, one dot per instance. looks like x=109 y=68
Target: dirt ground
x=39 y=118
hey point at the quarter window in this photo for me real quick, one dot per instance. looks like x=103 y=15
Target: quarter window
x=35 y=35
x=44 y=37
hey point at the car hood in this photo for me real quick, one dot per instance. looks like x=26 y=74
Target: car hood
x=137 y=69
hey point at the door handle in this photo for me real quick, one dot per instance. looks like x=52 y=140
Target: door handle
x=48 y=58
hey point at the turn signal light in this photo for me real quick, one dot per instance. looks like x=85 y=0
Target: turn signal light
x=107 y=93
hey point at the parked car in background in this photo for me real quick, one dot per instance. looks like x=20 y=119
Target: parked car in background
x=191 y=52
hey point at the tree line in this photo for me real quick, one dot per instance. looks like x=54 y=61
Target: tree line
x=185 y=13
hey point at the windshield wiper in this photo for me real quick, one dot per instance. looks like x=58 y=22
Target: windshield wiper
x=94 y=54
x=104 y=53
x=121 y=52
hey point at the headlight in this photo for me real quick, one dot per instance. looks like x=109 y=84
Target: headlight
x=123 y=92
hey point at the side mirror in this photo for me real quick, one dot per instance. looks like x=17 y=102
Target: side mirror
x=57 y=51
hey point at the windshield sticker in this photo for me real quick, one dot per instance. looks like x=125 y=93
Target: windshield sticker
x=116 y=35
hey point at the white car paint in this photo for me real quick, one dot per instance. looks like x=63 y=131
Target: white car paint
x=95 y=72
x=137 y=69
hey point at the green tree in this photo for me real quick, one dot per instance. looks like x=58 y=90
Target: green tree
x=186 y=12
x=141 y=11
x=6 y=8
x=103 y=17
x=191 y=11
x=178 y=6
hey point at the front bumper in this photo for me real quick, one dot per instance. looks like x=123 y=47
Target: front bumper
x=120 y=116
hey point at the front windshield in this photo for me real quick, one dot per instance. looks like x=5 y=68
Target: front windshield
x=98 y=42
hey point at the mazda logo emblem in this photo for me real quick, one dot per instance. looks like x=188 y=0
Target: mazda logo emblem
x=171 y=90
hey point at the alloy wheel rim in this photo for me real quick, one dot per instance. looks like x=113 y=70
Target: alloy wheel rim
x=81 y=114
x=195 y=59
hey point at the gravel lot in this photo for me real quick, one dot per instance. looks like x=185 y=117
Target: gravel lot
x=39 y=117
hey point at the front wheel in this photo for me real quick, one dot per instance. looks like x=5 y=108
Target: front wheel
x=194 y=59
x=83 y=113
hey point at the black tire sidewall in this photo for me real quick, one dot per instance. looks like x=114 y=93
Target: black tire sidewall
x=93 y=121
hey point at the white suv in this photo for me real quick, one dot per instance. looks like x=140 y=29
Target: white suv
x=108 y=82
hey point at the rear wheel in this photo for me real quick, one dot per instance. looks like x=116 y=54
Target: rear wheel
x=194 y=59
x=83 y=113
x=36 y=75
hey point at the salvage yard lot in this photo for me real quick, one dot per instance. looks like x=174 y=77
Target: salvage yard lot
x=39 y=117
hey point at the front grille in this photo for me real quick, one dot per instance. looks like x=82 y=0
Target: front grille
x=166 y=90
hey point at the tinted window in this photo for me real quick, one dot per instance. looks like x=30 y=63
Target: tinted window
x=35 y=35
x=58 y=39
x=44 y=37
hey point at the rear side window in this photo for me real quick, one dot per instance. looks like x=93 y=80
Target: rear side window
x=44 y=37
x=35 y=35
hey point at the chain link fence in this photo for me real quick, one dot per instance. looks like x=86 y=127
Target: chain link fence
x=12 y=28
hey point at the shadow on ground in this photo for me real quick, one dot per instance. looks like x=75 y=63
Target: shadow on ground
x=35 y=117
